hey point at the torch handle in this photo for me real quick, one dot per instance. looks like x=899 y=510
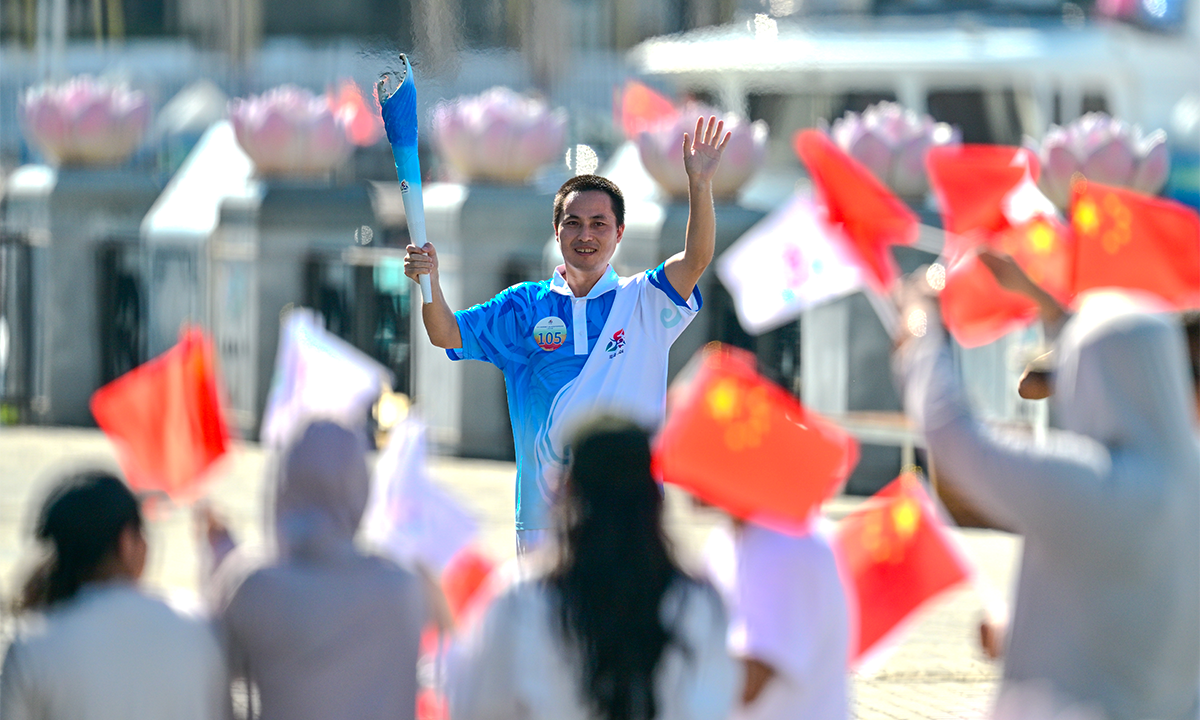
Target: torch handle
x=414 y=208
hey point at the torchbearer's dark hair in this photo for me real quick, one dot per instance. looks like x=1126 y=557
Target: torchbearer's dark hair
x=584 y=183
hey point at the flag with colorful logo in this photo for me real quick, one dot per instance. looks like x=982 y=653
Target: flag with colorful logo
x=317 y=374
x=895 y=555
x=409 y=516
x=1133 y=241
x=788 y=262
x=165 y=418
x=871 y=219
x=738 y=441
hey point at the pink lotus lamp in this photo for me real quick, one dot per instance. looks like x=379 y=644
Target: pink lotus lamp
x=85 y=121
x=289 y=131
x=499 y=136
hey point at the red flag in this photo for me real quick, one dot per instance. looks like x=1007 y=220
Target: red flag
x=742 y=443
x=165 y=418
x=431 y=705
x=895 y=555
x=465 y=584
x=643 y=109
x=989 y=198
x=1129 y=240
x=976 y=309
x=464 y=581
x=872 y=218
x=972 y=182
x=364 y=126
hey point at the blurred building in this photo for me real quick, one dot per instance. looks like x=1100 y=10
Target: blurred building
x=999 y=70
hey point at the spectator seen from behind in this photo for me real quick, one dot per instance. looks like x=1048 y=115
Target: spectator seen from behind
x=96 y=646
x=323 y=631
x=615 y=630
x=1107 y=612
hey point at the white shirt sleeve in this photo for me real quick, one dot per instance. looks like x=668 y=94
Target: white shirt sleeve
x=16 y=695
x=479 y=668
x=664 y=314
x=793 y=612
x=711 y=680
x=1033 y=488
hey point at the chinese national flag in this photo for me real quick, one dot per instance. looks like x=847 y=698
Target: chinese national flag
x=976 y=309
x=972 y=182
x=742 y=443
x=895 y=555
x=165 y=418
x=1129 y=240
x=872 y=218
x=989 y=198
x=464 y=581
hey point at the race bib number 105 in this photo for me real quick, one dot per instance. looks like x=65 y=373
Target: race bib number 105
x=550 y=333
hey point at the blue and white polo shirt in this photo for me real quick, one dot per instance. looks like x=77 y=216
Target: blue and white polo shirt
x=565 y=358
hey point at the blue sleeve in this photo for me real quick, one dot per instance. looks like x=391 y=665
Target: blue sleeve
x=658 y=278
x=489 y=329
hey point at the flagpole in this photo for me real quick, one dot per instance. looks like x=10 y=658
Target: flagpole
x=933 y=481
x=886 y=311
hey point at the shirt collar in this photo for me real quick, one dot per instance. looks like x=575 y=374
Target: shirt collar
x=608 y=281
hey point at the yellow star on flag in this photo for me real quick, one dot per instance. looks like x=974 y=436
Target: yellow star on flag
x=1086 y=217
x=1118 y=235
x=905 y=516
x=1041 y=238
x=722 y=400
x=752 y=424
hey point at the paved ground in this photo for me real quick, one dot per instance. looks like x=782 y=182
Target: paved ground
x=936 y=673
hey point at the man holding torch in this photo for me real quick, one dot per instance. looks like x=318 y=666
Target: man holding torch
x=585 y=340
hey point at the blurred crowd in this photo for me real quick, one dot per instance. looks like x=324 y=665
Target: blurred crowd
x=604 y=622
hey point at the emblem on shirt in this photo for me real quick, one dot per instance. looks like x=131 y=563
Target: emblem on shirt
x=550 y=333
x=616 y=344
x=670 y=317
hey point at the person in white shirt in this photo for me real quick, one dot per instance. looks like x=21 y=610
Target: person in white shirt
x=584 y=341
x=788 y=620
x=615 y=629
x=96 y=647
x=1107 y=610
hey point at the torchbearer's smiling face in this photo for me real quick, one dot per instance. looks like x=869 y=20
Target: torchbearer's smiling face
x=588 y=232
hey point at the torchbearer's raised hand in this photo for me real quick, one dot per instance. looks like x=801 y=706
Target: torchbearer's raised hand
x=702 y=150
x=701 y=155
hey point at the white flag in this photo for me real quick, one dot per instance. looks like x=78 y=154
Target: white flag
x=785 y=264
x=409 y=517
x=317 y=374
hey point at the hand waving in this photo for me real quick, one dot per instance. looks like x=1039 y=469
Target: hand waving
x=702 y=150
x=1007 y=272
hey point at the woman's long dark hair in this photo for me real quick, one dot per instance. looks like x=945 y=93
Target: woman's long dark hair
x=82 y=520
x=613 y=568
